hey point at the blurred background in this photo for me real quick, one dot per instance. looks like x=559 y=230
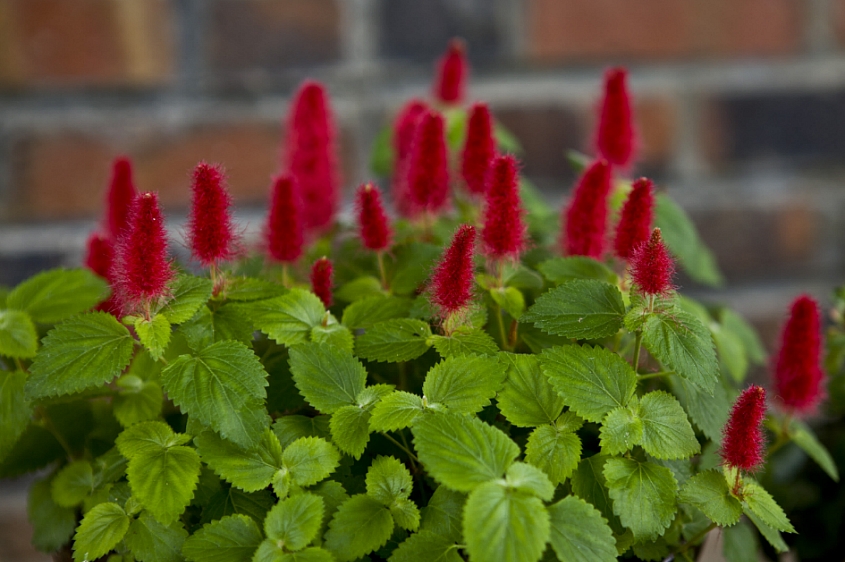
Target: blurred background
x=740 y=106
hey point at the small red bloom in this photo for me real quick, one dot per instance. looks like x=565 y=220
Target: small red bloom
x=743 y=443
x=615 y=139
x=479 y=149
x=586 y=216
x=798 y=374
x=503 y=233
x=211 y=234
x=451 y=283
x=321 y=280
x=120 y=197
x=428 y=166
x=283 y=232
x=652 y=266
x=99 y=255
x=635 y=220
x=375 y=229
x=403 y=139
x=451 y=77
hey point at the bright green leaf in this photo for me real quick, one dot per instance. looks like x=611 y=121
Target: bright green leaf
x=295 y=521
x=579 y=533
x=350 y=426
x=231 y=539
x=150 y=541
x=154 y=334
x=444 y=513
x=388 y=480
x=561 y=270
x=683 y=344
x=583 y=309
x=555 y=452
x=360 y=288
x=527 y=399
x=643 y=495
x=18 y=337
x=773 y=536
x=803 y=436
x=589 y=484
x=667 y=433
x=368 y=311
x=360 y=526
x=621 y=430
x=148 y=437
x=464 y=341
x=189 y=293
x=333 y=333
x=510 y=299
x=329 y=378
x=73 y=483
x=290 y=428
x=249 y=470
x=400 y=339
x=529 y=479
x=137 y=401
x=759 y=502
x=405 y=514
x=54 y=295
x=395 y=411
x=99 y=531
x=288 y=319
x=310 y=460
x=464 y=384
x=709 y=492
x=426 y=546
x=15 y=409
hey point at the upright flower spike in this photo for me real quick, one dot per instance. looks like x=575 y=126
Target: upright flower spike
x=404 y=128
x=120 y=196
x=503 y=233
x=428 y=166
x=99 y=255
x=211 y=234
x=452 y=69
x=321 y=280
x=635 y=219
x=372 y=220
x=743 y=442
x=311 y=154
x=615 y=139
x=479 y=149
x=652 y=266
x=586 y=216
x=284 y=229
x=798 y=374
x=451 y=283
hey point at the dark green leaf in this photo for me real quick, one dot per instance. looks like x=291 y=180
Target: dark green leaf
x=99 y=532
x=189 y=293
x=803 y=436
x=444 y=513
x=54 y=295
x=400 y=339
x=18 y=337
x=426 y=546
x=15 y=410
x=643 y=495
x=73 y=483
x=360 y=288
x=771 y=535
x=360 y=526
x=290 y=428
x=579 y=533
x=463 y=384
x=709 y=492
x=708 y=413
x=52 y=525
x=137 y=401
x=561 y=270
x=288 y=319
x=740 y=543
x=329 y=378
x=249 y=470
x=231 y=539
x=237 y=502
x=756 y=500
x=583 y=309
x=366 y=312
x=413 y=266
x=150 y=541
x=527 y=399
x=465 y=341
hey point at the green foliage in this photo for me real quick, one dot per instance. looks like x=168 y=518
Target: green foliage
x=554 y=449
x=682 y=238
x=803 y=436
x=361 y=525
x=295 y=521
x=527 y=399
x=52 y=525
x=583 y=309
x=709 y=492
x=400 y=339
x=188 y=294
x=561 y=270
x=464 y=341
x=579 y=533
x=231 y=539
x=643 y=495
x=397 y=410
x=15 y=410
x=18 y=337
x=99 y=532
x=288 y=319
x=154 y=334
x=463 y=384
x=57 y=294
x=150 y=541
x=328 y=377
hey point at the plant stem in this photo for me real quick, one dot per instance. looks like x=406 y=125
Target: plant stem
x=501 y=322
x=47 y=424
x=783 y=437
x=285 y=280
x=381 y=270
x=20 y=364
x=637 y=345
x=407 y=448
x=654 y=375
x=400 y=445
x=684 y=547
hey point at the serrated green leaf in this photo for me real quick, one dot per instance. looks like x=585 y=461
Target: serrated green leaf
x=310 y=460
x=388 y=480
x=290 y=428
x=148 y=437
x=465 y=341
x=682 y=238
x=400 y=339
x=333 y=333
x=368 y=311
x=250 y=470
x=740 y=543
x=154 y=334
x=73 y=483
x=295 y=521
x=18 y=337
x=621 y=430
x=588 y=483
x=731 y=352
x=395 y=411
x=288 y=319
x=667 y=433
x=333 y=494
x=464 y=384
x=582 y=309
x=709 y=492
x=756 y=500
x=225 y=322
x=360 y=288
x=360 y=526
x=52 y=525
x=773 y=536
x=231 y=539
x=371 y=395
x=54 y=295
x=505 y=525
x=444 y=513
x=708 y=413
x=329 y=378
x=137 y=401
x=555 y=452
x=15 y=409
x=405 y=513
x=579 y=533
x=530 y=480
x=150 y=541
x=223 y=387
x=84 y=351
x=426 y=546
x=562 y=270
x=803 y=436
x=350 y=426
x=189 y=293
x=591 y=380
x=99 y=531
x=237 y=502
x=527 y=399
x=462 y=452
x=510 y=299
x=247 y=289
x=643 y=495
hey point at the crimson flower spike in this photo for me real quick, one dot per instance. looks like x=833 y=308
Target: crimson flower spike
x=451 y=283
x=99 y=258
x=211 y=234
x=615 y=139
x=311 y=155
x=372 y=220
x=283 y=232
x=404 y=128
x=428 y=166
x=798 y=375
x=586 y=216
x=321 y=280
x=652 y=266
x=479 y=149
x=743 y=442
x=451 y=75
x=503 y=233
x=635 y=219
x=120 y=197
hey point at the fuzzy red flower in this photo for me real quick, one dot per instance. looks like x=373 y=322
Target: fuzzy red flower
x=321 y=280
x=283 y=232
x=743 y=442
x=404 y=128
x=615 y=139
x=374 y=227
x=428 y=166
x=635 y=219
x=479 y=149
x=311 y=154
x=120 y=196
x=798 y=375
x=652 y=266
x=99 y=255
x=586 y=216
x=452 y=69
x=451 y=283
x=503 y=233
x=211 y=234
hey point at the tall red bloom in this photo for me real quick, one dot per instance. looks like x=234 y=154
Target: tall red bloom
x=451 y=77
x=743 y=442
x=321 y=280
x=372 y=220
x=586 y=216
x=311 y=155
x=503 y=233
x=635 y=220
x=428 y=166
x=479 y=149
x=798 y=375
x=404 y=128
x=120 y=196
x=652 y=266
x=99 y=258
x=615 y=139
x=283 y=232
x=451 y=283
x=211 y=234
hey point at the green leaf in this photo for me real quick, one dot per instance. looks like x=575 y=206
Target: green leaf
x=381 y=157
x=413 y=266
x=52 y=525
x=231 y=539
x=579 y=533
x=368 y=311
x=310 y=460
x=708 y=413
x=756 y=500
x=223 y=387
x=150 y=541
x=329 y=378
x=667 y=433
x=84 y=351
x=426 y=546
x=288 y=319
x=444 y=513
x=582 y=309
x=226 y=322
x=137 y=401
x=803 y=436
x=247 y=289
x=530 y=480
x=462 y=452
x=237 y=502
x=388 y=480
x=527 y=399
x=464 y=384
x=395 y=411
x=54 y=295
x=73 y=483
x=591 y=380
x=709 y=492
x=683 y=240
x=350 y=426
x=360 y=288
x=731 y=352
x=400 y=339
x=772 y=535
x=15 y=409
x=643 y=495
x=621 y=430
x=464 y=341
x=290 y=428
x=740 y=543
x=505 y=525
x=561 y=270
x=154 y=334
x=589 y=484
x=735 y=324
x=510 y=299
x=554 y=451
x=250 y=470
x=189 y=293
x=405 y=514
x=295 y=521
x=18 y=337
x=360 y=526
x=99 y=531
x=683 y=344
x=333 y=334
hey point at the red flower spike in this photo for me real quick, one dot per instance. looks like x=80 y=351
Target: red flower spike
x=652 y=266
x=375 y=229
x=798 y=375
x=503 y=233
x=451 y=283
x=615 y=139
x=284 y=230
x=428 y=166
x=479 y=149
x=586 y=216
x=120 y=197
x=743 y=442
x=211 y=234
x=99 y=255
x=404 y=128
x=635 y=219
x=451 y=77
x=321 y=280
x=311 y=154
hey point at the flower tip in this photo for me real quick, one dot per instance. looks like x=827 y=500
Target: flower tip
x=479 y=149
x=428 y=166
x=798 y=376
x=321 y=280
x=652 y=266
x=120 y=196
x=374 y=227
x=615 y=137
x=452 y=70
x=452 y=281
x=284 y=228
x=585 y=217
x=211 y=233
x=635 y=219
x=743 y=441
x=504 y=230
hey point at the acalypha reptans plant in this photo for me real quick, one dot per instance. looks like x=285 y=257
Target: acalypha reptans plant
x=469 y=376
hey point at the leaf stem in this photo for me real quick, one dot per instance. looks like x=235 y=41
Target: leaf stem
x=654 y=375
x=382 y=271
x=684 y=547
x=408 y=448
x=285 y=280
x=400 y=445
x=47 y=424
x=637 y=345
x=20 y=364
x=502 y=333
x=783 y=437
